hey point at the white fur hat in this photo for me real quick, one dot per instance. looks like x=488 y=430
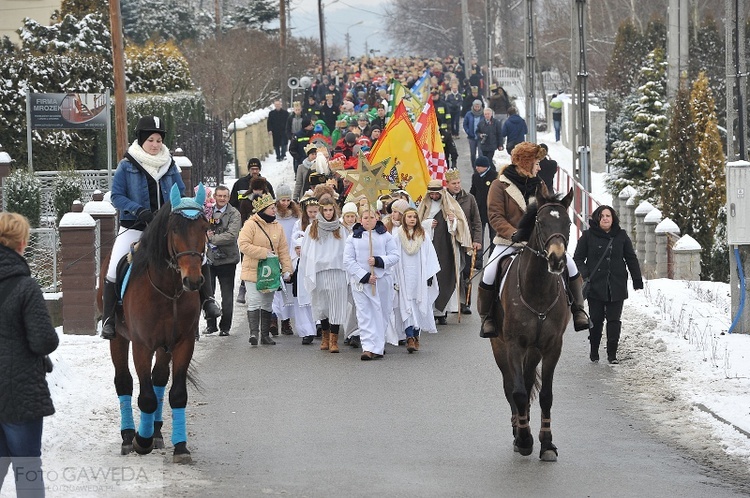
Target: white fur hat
x=349 y=207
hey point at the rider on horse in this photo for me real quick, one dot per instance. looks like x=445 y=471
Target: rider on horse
x=506 y=203
x=140 y=187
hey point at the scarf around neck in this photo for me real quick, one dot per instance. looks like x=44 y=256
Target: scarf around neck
x=411 y=246
x=526 y=185
x=156 y=166
x=327 y=226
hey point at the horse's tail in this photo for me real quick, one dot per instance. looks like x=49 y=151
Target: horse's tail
x=537 y=383
x=193 y=378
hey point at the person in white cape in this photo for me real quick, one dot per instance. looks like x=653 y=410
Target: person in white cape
x=415 y=279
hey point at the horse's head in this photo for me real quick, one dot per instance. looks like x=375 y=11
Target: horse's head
x=552 y=229
x=186 y=237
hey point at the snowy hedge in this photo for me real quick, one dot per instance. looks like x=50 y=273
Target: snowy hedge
x=23 y=194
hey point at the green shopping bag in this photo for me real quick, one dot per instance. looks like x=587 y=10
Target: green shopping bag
x=269 y=275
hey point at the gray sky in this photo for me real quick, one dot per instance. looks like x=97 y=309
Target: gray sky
x=341 y=15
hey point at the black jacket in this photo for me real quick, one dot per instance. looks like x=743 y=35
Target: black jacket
x=276 y=123
x=610 y=282
x=480 y=187
x=26 y=336
x=244 y=184
x=493 y=136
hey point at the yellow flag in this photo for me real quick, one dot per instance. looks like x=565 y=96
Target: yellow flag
x=399 y=143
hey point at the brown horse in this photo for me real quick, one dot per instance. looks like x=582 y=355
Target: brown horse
x=159 y=315
x=533 y=310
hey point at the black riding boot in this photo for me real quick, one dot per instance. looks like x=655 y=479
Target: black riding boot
x=253 y=322
x=613 y=339
x=580 y=318
x=486 y=296
x=109 y=304
x=211 y=308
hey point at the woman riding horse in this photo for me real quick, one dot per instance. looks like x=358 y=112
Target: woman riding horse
x=507 y=202
x=140 y=186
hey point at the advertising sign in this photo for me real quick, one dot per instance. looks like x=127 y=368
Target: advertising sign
x=68 y=111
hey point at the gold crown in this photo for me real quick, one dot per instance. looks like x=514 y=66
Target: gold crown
x=262 y=202
x=452 y=174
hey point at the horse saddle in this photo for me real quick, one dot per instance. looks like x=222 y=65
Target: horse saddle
x=123 y=271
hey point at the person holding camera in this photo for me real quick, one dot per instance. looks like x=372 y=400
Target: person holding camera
x=223 y=255
x=489 y=134
x=26 y=336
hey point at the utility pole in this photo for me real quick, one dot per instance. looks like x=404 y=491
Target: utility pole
x=530 y=72
x=118 y=61
x=217 y=15
x=282 y=46
x=322 y=40
x=489 y=28
x=348 y=54
x=466 y=23
x=677 y=44
x=581 y=145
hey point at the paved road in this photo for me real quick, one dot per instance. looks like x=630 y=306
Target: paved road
x=292 y=420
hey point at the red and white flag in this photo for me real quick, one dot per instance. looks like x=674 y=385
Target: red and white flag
x=428 y=138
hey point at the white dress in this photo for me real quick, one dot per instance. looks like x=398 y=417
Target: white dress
x=283 y=300
x=324 y=274
x=414 y=297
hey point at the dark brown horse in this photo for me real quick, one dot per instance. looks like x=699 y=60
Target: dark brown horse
x=533 y=310
x=159 y=315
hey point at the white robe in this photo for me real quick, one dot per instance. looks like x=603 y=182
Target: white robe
x=414 y=297
x=373 y=311
x=323 y=274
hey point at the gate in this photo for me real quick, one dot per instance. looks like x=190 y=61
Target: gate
x=203 y=144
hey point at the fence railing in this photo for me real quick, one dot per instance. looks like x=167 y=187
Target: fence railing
x=564 y=181
x=43 y=254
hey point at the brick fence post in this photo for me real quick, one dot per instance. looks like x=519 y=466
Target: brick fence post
x=687 y=255
x=641 y=211
x=78 y=259
x=186 y=170
x=666 y=226
x=650 y=221
x=104 y=212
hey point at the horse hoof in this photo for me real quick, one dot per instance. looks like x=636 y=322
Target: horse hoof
x=548 y=456
x=142 y=445
x=127 y=441
x=181 y=453
x=525 y=451
x=159 y=443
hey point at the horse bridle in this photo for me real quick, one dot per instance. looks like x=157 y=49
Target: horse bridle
x=543 y=242
x=173 y=261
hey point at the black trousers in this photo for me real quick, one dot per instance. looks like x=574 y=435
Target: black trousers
x=225 y=275
x=601 y=310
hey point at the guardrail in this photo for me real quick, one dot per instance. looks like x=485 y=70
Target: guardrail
x=564 y=181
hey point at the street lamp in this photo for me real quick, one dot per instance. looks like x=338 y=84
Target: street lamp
x=348 y=55
x=367 y=51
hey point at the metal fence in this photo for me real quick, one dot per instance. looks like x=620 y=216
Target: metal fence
x=43 y=254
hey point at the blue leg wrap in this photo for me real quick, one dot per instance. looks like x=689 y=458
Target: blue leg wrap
x=126 y=412
x=179 y=429
x=159 y=390
x=409 y=331
x=146 y=429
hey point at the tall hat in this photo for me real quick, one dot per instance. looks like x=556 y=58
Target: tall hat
x=452 y=174
x=261 y=202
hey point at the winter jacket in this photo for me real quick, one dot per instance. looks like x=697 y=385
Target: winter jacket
x=454 y=101
x=480 y=187
x=255 y=246
x=130 y=190
x=505 y=208
x=514 y=131
x=610 y=282
x=244 y=184
x=276 y=124
x=499 y=102
x=26 y=336
x=470 y=208
x=329 y=114
x=468 y=101
x=493 y=137
x=470 y=124
x=223 y=249
x=293 y=125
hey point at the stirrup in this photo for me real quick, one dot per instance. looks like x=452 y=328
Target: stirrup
x=211 y=308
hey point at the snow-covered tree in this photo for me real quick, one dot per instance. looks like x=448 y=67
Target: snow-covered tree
x=89 y=35
x=156 y=68
x=627 y=55
x=707 y=54
x=681 y=183
x=630 y=160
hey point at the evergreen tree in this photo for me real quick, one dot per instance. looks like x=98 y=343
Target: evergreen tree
x=681 y=184
x=708 y=54
x=710 y=161
x=655 y=36
x=631 y=157
x=627 y=55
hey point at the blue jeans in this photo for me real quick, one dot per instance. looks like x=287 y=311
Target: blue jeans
x=557 y=123
x=473 y=144
x=21 y=444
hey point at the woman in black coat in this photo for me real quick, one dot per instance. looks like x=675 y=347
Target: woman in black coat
x=26 y=336
x=607 y=282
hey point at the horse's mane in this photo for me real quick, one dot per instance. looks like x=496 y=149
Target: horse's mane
x=152 y=248
x=526 y=225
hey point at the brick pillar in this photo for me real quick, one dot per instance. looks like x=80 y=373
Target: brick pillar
x=78 y=259
x=650 y=221
x=186 y=170
x=106 y=214
x=5 y=162
x=641 y=211
x=666 y=226
x=622 y=207
x=687 y=256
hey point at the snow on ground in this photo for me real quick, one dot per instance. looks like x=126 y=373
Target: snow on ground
x=679 y=366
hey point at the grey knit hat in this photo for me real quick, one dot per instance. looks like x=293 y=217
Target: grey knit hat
x=283 y=192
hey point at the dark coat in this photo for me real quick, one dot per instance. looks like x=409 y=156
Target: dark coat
x=276 y=124
x=329 y=114
x=547 y=172
x=469 y=206
x=610 y=282
x=244 y=184
x=480 y=188
x=26 y=336
x=493 y=139
x=514 y=130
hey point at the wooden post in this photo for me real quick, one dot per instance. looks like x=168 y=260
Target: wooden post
x=118 y=63
x=78 y=259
